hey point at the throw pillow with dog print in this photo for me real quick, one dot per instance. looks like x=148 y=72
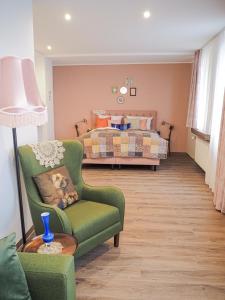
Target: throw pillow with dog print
x=56 y=187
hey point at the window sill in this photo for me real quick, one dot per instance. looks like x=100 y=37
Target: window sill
x=203 y=136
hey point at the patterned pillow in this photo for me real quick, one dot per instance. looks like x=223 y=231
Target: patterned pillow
x=115 y=120
x=124 y=120
x=149 y=123
x=134 y=123
x=56 y=187
x=140 y=124
x=143 y=124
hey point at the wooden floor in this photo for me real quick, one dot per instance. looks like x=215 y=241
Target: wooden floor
x=173 y=243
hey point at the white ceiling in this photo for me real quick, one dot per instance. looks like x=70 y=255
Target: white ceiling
x=114 y=31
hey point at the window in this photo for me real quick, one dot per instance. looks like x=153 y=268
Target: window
x=210 y=86
x=208 y=102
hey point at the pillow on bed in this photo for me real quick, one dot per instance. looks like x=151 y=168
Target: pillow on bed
x=115 y=120
x=102 y=121
x=149 y=123
x=102 y=116
x=134 y=123
x=143 y=123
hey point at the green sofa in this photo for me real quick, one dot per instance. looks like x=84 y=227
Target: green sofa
x=49 y=276
x=98 y=216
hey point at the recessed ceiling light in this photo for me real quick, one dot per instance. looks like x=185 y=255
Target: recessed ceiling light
x=49 y=47
x=146 y=14
x=67 y=17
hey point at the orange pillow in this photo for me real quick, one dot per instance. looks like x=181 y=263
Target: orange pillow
x=102 y=122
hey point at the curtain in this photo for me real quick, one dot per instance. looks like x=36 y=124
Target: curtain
x=219 y=195
x=213 y=109
x=193 y=89
x=206 y=98
x=206 y=78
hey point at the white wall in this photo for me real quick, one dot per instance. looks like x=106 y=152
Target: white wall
x=16 y=38
x=43 y=68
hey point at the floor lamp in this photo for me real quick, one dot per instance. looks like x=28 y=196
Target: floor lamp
x=20 y=105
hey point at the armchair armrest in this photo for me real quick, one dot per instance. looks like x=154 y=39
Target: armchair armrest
x=49 y=276
x=107 y=195
x=59 y=221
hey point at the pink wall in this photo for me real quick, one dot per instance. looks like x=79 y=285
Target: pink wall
x=160 y=87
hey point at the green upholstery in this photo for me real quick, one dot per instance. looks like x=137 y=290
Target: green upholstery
x=97 y=239
x=49 y=276
x=13 y=284
x=90 y=217
x=97 y=217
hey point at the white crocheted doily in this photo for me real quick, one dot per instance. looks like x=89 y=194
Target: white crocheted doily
x=53 y=248
x=48 y=153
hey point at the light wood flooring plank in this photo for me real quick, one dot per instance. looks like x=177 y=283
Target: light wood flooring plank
x=173 y=243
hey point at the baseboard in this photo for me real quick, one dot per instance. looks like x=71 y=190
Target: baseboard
x=29 y=236
x=195 y=163
x=178 y=153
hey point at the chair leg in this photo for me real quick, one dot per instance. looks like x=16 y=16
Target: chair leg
x=116 y=240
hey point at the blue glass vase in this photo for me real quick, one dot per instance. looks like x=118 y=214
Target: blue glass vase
x=48 y=236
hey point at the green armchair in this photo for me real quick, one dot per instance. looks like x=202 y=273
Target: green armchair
x=49 y=276
x=98 y=216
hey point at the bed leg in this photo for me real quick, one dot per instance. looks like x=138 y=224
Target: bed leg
x=119 y=166
x=112 y=166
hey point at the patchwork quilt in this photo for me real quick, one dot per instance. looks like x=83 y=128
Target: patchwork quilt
x=128 y=143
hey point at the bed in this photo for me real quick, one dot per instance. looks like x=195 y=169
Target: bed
x=124 y=147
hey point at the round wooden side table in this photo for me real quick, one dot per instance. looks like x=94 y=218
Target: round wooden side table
x=68 y=242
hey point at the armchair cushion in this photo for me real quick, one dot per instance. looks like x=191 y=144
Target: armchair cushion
x=13 y=284
x=89 y=218
x=106 y=195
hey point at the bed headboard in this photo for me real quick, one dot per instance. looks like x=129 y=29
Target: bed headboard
x=144 y=113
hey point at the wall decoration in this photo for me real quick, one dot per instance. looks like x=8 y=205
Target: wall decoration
x=133 y=91
x=123 y=90
x=120 y=99
x=114 y=89
x=129 y=82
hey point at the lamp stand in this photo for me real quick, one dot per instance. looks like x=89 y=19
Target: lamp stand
x=19 y=184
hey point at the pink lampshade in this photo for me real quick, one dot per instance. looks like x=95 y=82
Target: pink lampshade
x=20 y=102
